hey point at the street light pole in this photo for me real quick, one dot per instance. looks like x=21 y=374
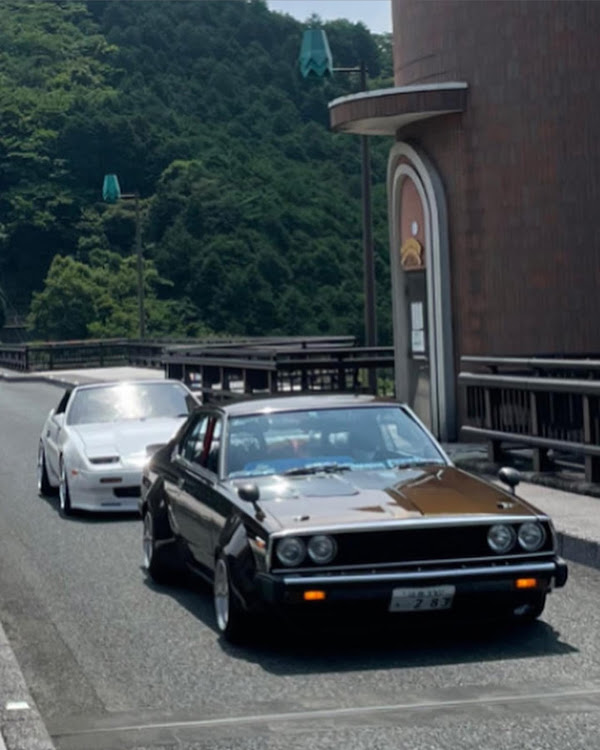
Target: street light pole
x=315 y=59
x=111 y=192
x=368 y=252
x=140 y=265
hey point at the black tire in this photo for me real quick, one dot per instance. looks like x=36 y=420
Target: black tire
x=44 y=487
x=160 y=556
x=232 y=620
x=64 y=496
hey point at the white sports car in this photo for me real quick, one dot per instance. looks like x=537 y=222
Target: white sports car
x=95 y=442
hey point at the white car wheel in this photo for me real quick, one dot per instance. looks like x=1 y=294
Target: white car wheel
x=231 y=619
x=160 y=555
x=63 y=491
x=43 y=482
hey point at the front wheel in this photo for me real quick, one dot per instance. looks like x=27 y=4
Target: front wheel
x=43 y=482
x=159 y=552
x=231 y=618
x=64 y=496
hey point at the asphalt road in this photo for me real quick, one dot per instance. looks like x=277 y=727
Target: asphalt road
x=115 y=662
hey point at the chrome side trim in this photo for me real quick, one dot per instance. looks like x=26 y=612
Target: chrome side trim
x=549 y=568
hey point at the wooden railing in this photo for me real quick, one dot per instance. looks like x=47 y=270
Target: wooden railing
x=542 y=403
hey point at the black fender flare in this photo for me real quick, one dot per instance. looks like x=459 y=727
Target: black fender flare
x=234 y=544
x=155 y=498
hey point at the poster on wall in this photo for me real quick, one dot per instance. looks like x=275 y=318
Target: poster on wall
x=417 y=327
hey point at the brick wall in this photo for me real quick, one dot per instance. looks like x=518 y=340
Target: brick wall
x=521 y=167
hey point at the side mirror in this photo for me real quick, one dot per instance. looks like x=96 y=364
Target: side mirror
x=509 y=476
x=249 y=493
x=59 y=419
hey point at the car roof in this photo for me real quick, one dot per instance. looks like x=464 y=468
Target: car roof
x=304 y=402
x=134 y=381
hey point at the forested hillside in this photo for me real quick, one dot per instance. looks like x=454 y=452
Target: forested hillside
x=251 y=207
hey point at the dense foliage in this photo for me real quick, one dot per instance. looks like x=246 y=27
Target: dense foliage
x=250 y=207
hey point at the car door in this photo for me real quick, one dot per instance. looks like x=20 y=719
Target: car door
x=192 y=502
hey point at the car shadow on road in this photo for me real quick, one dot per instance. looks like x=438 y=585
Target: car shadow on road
x=287 y=650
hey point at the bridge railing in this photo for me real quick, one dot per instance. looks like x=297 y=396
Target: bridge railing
x=65 y=355
x=224 y=367
x=544 y=404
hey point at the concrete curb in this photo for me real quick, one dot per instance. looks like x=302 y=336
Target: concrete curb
x=577 y=550
x=21 y=725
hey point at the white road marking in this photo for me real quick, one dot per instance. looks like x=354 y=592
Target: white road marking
x=333 y=713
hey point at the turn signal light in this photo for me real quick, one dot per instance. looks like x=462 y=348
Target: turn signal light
x=314 y=596
x=526 y=583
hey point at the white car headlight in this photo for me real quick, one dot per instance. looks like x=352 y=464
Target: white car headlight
x=291 y=551
x=322 y=549
x=501 y=537
x=531 y=536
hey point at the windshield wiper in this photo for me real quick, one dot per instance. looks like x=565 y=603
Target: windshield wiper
x=408 y=463
x=316 y=469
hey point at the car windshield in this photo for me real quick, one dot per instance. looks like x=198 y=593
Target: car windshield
x=300 y=442
x=122 y=401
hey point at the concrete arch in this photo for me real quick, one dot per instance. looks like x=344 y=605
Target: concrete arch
x=408 y=162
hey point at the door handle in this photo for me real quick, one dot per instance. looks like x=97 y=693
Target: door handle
x=180 y=482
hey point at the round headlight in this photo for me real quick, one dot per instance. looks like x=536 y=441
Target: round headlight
x=531 y=536
x=322 y=549
x=291 y=551
x=501 y=537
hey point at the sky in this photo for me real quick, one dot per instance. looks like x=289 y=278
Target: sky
x=375 y=14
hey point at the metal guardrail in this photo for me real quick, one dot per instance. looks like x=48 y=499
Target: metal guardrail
x=542 y=403
x=223 y=368
x=64 y=355
x=265 y=367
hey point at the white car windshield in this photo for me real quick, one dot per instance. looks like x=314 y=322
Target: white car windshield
x=327 y=439
x=122 y=401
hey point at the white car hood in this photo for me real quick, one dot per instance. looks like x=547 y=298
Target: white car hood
x=127 y=439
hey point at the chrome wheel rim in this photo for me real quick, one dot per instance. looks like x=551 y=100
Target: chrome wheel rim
x=40 y=465
x=62 y=487
x=221 y=595
x=148 y=539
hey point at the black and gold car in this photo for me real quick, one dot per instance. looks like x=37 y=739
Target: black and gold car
x=329 y=504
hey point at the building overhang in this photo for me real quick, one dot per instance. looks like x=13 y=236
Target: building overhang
x=385 y=111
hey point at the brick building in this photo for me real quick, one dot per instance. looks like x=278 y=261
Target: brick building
x=493 y=186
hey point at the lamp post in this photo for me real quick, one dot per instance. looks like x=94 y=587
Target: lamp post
x=111 y=192
x=316 y=60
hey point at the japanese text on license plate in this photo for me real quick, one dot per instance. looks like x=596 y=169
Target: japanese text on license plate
x=422 y=599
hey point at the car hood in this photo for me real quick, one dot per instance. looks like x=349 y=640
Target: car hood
x=127 y=439
x=380 y=495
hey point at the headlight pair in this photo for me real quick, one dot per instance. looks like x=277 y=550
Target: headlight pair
x=530 y=536
x=292 y=550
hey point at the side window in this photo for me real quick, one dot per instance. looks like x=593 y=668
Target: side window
x=192 y=445
x=214 y=447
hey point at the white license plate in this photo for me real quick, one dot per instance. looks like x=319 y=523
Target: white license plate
x=422 y=599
